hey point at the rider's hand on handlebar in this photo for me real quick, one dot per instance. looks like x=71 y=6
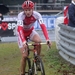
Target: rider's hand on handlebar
x=49 y=43
x=25 y=46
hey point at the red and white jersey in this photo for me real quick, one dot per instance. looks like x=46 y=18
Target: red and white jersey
x=25 y=23
x=28 y=22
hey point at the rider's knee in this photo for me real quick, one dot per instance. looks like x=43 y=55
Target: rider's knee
x=38 y=41
x=24 y=56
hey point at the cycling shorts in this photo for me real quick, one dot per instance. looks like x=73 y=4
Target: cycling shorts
x=30 y=35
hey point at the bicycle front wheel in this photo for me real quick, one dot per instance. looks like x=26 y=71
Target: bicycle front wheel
x=28 y=70
x=38 y=67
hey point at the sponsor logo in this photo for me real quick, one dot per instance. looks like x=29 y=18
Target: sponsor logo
x=4 y=26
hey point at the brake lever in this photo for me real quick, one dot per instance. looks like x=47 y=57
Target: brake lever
x=48 y=47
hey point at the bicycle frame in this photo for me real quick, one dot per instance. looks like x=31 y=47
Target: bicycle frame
x=34 y=54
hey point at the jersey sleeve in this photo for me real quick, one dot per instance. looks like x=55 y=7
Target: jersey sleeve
x=20 y=28
x=43 y=27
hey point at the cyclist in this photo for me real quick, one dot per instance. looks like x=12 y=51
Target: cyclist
x=25 y=28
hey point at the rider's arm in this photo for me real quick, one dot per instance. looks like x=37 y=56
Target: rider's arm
x=42 y=25
x=20 y=27
x=20 y=30
x=44 y=29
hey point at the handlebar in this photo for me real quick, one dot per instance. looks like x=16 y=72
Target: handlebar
x=41 y=44
x=34 y=44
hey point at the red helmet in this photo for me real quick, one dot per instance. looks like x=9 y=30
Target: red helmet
x=28 y=4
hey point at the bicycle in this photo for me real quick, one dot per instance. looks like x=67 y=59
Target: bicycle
x=36 y=67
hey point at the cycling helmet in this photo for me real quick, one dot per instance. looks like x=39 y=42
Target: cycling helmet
x=28 y=4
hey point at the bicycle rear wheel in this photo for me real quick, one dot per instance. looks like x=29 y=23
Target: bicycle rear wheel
x=38 y=67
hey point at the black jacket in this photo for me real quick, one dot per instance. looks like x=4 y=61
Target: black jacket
x=71 y=12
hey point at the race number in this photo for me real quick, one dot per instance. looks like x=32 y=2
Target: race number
x=40 y=21
x=20 y=22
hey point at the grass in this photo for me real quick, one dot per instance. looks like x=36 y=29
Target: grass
x=54 y=64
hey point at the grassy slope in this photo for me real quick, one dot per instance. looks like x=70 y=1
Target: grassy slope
x=54 y=64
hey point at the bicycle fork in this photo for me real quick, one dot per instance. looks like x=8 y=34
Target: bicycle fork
x=35 y=59
x=35 y=68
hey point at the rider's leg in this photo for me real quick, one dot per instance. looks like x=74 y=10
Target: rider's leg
x=23 y=60
x=36 y=38
x=23 y=56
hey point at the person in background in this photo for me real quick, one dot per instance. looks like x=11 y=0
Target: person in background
x=1 y=18
x=71 y=13
x=66 y=17
x=25 y=28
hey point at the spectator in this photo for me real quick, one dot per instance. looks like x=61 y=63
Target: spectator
x=71 y=12
x=1 y=18
x=66 y=18
x=3 y=10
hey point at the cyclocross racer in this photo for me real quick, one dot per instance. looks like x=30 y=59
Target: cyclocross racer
x=25 y=28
